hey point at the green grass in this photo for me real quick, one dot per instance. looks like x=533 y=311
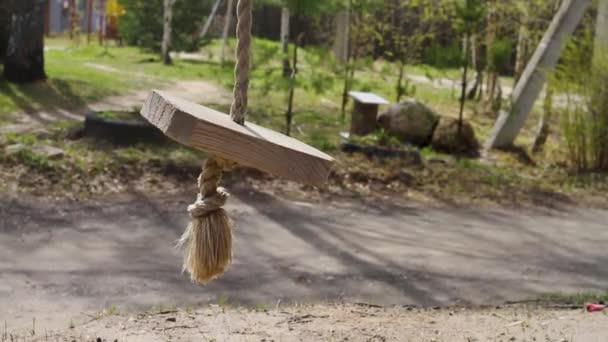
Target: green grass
x=116 y=115
x=82 y=74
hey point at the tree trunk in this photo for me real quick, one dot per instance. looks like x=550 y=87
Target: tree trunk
x=5 y=23
x=342 y=35
x=292 y=86
x=209 y=20
x=530 y=85
x=349 y=75
x=463 y=91
x=89 y=20
x=522 y=47
x=285 y=41
x=227 y=23
x=73 y=19
x=101 y=8
x=401 y=90
x=490 y=38
x=349 y=65
x=544 y=126
x=167 y=26
x=476 y=92
x=24 y=60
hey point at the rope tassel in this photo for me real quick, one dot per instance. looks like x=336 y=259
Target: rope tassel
x=207 y=242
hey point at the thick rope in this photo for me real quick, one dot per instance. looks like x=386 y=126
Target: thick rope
x=208 y=239
x=210 y=196
x=238 y=110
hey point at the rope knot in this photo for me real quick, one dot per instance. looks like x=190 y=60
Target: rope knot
x=206 y=205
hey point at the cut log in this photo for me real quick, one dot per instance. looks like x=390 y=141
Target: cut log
x=249 y=145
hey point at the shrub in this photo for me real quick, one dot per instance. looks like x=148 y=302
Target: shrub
x=444 y=56
x=584 y=122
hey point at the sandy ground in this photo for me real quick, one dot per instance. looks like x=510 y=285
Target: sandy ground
x=339 y=323
x=66 y=261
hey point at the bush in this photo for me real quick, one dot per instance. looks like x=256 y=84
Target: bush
x=142 y=24
x=585 y=119
x=500 y=53
x=444 y=56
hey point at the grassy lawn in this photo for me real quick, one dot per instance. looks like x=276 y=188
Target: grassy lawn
x=87 y=73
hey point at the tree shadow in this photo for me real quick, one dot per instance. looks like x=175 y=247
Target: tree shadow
x=46 y=101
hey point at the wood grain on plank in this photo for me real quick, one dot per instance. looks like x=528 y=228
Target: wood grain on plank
x=249 y=144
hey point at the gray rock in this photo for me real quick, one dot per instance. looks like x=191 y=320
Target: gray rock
x=410 y=121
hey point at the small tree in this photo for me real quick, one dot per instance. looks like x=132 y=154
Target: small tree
x=167 y=28
x=469 y=17
x=299 y=7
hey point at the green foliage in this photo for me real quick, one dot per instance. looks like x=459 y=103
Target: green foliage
x=584 y=122
x=115 y=115
x=469 y=15
x=500 y=54
x=321 y=141
x=142 y=24
x=444 y=56
x=379 y=137
x=308 y=7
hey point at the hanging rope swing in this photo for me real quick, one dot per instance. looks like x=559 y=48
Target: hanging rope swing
x=207 y=242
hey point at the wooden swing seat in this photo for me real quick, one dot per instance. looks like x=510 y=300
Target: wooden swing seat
x=249 y=144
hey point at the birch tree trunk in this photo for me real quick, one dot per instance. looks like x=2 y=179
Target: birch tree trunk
x=522 y=47
x=167 y=26
x=342 y=35
x=530 y=85
x=476 y=92
x=227 y=23
x=285 y=41
x=24 y=59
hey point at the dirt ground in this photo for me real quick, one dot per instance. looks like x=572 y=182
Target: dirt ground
x=66 y=261
x=342 y=323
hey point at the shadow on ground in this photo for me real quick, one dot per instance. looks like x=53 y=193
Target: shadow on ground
x=58 y=260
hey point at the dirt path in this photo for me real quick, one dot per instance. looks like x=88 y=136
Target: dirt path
x=65 y=261
x=347 y=323
x=198 y=91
